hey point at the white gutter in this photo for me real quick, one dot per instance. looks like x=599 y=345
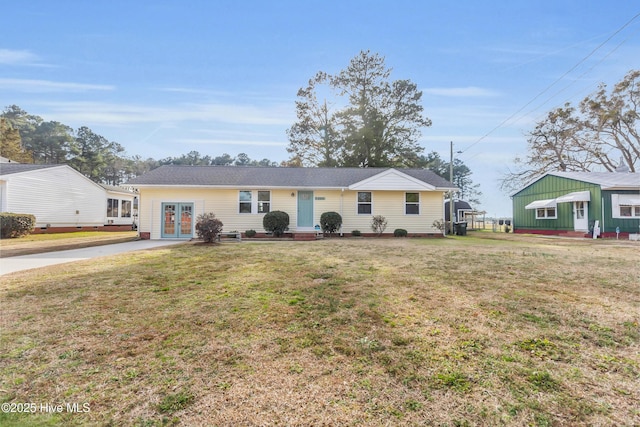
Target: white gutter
x=341 y=205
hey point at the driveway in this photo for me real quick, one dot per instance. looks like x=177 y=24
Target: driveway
x=27 y=262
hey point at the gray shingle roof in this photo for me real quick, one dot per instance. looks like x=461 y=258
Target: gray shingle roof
x=242 y=176
x=11 y=168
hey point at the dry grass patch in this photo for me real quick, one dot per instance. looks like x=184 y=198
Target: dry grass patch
x=38 y=243
x=465 y=331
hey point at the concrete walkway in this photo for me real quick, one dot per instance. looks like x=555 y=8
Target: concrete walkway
x=27 y=262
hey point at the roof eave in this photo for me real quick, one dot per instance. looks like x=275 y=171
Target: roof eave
x=236 y=187
x=4 y=176
x=270 y=187
x=621 y=187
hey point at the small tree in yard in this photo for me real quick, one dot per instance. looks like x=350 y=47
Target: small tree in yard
x=378 y=224
x=208 y=227
x=330 y=222
x=276 y=222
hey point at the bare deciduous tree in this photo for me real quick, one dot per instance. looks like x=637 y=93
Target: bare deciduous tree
x=601 y=135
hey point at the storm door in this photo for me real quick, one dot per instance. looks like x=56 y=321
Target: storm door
x=580 y=216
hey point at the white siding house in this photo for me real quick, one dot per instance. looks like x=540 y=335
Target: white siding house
x=62 y=198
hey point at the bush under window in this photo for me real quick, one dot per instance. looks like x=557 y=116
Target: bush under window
x=330 y=222
x=378 y=224
x=276 y=222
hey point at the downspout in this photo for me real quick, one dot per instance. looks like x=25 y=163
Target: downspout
x=444 y=215
x=602 y=207
x=341 y=204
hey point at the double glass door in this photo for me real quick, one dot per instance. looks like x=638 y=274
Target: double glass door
x=177 y=220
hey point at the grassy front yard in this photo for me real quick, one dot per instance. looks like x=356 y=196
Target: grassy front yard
x=453 y=332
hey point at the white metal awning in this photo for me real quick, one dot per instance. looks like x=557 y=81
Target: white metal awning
x=578 y=196
x=538 y=204
x=630 y=200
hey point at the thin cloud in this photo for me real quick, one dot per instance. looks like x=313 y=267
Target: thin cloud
x=42 y=86
x=207 y=141
x=458 y=92
x=18 y=57
x=192 y=91
x=245 y=97
x=125 y=114
x=240 y=114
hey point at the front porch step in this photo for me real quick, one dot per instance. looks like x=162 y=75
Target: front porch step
x=305 y=236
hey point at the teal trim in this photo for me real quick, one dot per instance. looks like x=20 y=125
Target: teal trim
x=177 y=221
x=305 y=209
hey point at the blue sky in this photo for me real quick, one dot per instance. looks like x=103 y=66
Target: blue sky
x=163 y=78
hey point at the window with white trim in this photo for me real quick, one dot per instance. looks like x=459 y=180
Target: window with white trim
x=126 y=209
x=244 y=202
x=546 y=213
x=625 y=206
x=629 y=211
x=112 y=208
x=412 y=203
x=254 y=201
x=364 y=203
x=264 y=201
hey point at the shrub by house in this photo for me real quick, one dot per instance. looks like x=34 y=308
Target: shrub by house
x=15 y=224
x=208 y=227
x=330 y=222
x=276 y=222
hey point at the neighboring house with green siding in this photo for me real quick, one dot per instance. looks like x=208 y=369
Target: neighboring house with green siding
x=572 y=202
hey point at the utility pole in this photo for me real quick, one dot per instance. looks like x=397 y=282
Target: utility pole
x=451 y=191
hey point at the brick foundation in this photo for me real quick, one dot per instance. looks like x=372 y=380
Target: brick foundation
x=50 y=230
x=565 y=233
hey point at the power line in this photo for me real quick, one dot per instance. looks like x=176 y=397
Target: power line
x=552 y=84
x=611 y=52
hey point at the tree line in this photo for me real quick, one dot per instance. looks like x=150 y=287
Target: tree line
x=27 y=138
x=364 y=120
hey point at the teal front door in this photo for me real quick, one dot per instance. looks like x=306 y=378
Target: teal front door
x=177 y=220
x=305 y=209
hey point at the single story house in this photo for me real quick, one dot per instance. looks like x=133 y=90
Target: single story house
x=572 y=202
x=172 y=196
x=62 y=199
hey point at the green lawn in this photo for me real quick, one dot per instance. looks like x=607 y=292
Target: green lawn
x=490 y=330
